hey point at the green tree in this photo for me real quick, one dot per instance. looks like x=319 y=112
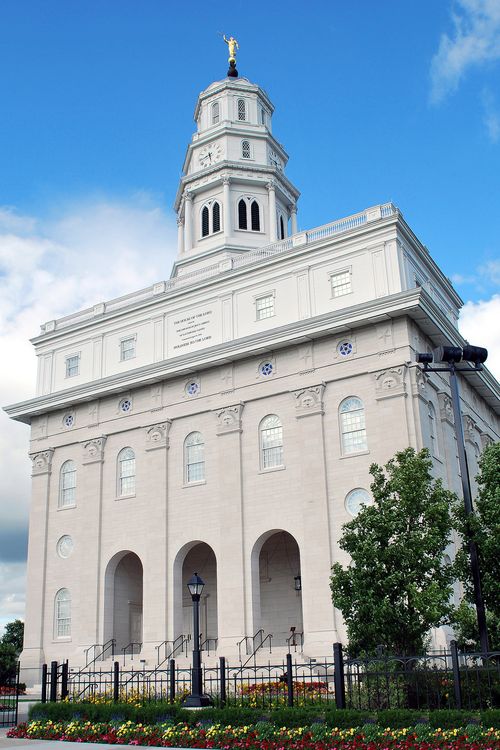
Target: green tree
x=11 y=645
x=397 y=586
x=13 y=634
x=484 y=527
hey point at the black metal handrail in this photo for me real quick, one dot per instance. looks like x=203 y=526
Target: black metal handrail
x=292 y=642
x=205 y=645
x=104 y=646
x=179 y=642
x=131 y=646
x=268 y=637
x=253 y=638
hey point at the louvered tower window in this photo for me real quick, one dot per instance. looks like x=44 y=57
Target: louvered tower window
x=255 y=213
x=242 y=109
x=216 y=217
x=204 y=222
x=242 y=215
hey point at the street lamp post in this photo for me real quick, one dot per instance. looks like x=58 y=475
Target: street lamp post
x=451 y=356
x=196 y=699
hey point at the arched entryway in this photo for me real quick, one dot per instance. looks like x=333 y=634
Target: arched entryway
x=196 y=557
x=123 y=587
x=276 y=586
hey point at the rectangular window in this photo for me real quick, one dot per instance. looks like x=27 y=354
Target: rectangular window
x=264 y=307
x=127 y=348
x=72 y=365
x=63 y=619
x=340 y=283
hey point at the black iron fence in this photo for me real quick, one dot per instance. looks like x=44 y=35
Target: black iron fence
x=9 y=688
x=447 y=679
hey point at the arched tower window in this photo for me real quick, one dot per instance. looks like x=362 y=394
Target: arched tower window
x=204 y=222
x=242 y=109
x=194 y=458
x=215 y=217
x=352 y=425
x=282 y=228
x=242 y=215
x=255 y=214
x=67 y=484
x=271 y=442
x=245 y=150
x=62 y=614
x=215 y=113
x=126 y=472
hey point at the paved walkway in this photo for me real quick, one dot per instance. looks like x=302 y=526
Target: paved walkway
x=54 y=745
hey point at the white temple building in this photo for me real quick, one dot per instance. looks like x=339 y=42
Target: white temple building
x=223 y=421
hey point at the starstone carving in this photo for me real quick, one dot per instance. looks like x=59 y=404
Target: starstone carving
x=305 y=352
x=384 y=336
x=309 y=400
x=39 y=427
x=390 y=382
x=229 y=419
x=42 y=462
x=469 y=427
x=157 y=435
x=93 y=450
x=226 y=376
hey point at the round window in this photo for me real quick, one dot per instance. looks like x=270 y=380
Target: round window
x=69 y=420
x=266 y=368
x=65 y=546
x=192 y=388
x=356 y=500
x=345 y=348
x=125 y=405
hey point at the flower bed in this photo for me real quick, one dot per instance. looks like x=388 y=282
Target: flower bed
x=262 y=736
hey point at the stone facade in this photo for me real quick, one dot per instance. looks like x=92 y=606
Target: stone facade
x=220 y=421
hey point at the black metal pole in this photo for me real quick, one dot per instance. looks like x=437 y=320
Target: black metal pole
x=222 y=672
x=289 y=680
x=172 y=680
x=466 y=490
x=196 y=699
x=44 y=683
x=53 y=681
x=116 y=681
x=64 y=680
x=338 y=675
x=457 y=687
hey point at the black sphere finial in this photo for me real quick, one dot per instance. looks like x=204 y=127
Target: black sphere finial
x=232 y=72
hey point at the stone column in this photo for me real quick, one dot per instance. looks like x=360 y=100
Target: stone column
x=293 y=215
x=37 y=605
x=180 y=235
x=273 y=234
x=231 y=588
x=226 y=181
x=188 y=221
x=315 y=551
x=89 y=496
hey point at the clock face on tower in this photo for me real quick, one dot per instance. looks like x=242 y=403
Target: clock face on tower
x=275 y=160
x=210 y=154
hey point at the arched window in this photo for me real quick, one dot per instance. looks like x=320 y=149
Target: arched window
x=242 y=109
x=255 y=213
x=282 y=228
x=271 y=442
x=126 y=472
x=216 y=217
x=352 y=425
x=62 y=614
x=194 y=458
x=204 y=221
x=242 y=215
x=432 y=430
x=245 y=150
x=215 y=113
x=67 y=484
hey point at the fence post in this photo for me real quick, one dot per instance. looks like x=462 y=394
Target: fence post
x=172 y=680
x=222 y=675
x=289 y=679
x=457 y=686
x=64 y=680
x=44 y=683
x=53 y=681
x=338 y=675
x=116 y=681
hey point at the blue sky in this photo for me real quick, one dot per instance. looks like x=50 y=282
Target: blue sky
x=397 y=100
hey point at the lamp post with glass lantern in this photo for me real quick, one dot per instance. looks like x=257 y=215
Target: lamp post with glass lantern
x=196 y=699
x=450 y=356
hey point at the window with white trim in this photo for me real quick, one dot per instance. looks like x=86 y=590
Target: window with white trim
x=215 y=113
x=62 y=614
x=352 y=425
x=264 y=307
x=194 y=458
x=127 y=348
x=340 y=283
x=242 y=110
x=210 y=218
x=246 y=150
x=248 y=214
x=356 y=500
x=271 y=442
x=67 y=484
x=72 y=365
x=126 y=472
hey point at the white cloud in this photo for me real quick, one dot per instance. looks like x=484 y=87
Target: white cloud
x=479 y=325
x=491 y=115
x=475 y=41
x=90 y=252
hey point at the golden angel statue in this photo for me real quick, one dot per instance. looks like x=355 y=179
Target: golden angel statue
x=232 y=45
